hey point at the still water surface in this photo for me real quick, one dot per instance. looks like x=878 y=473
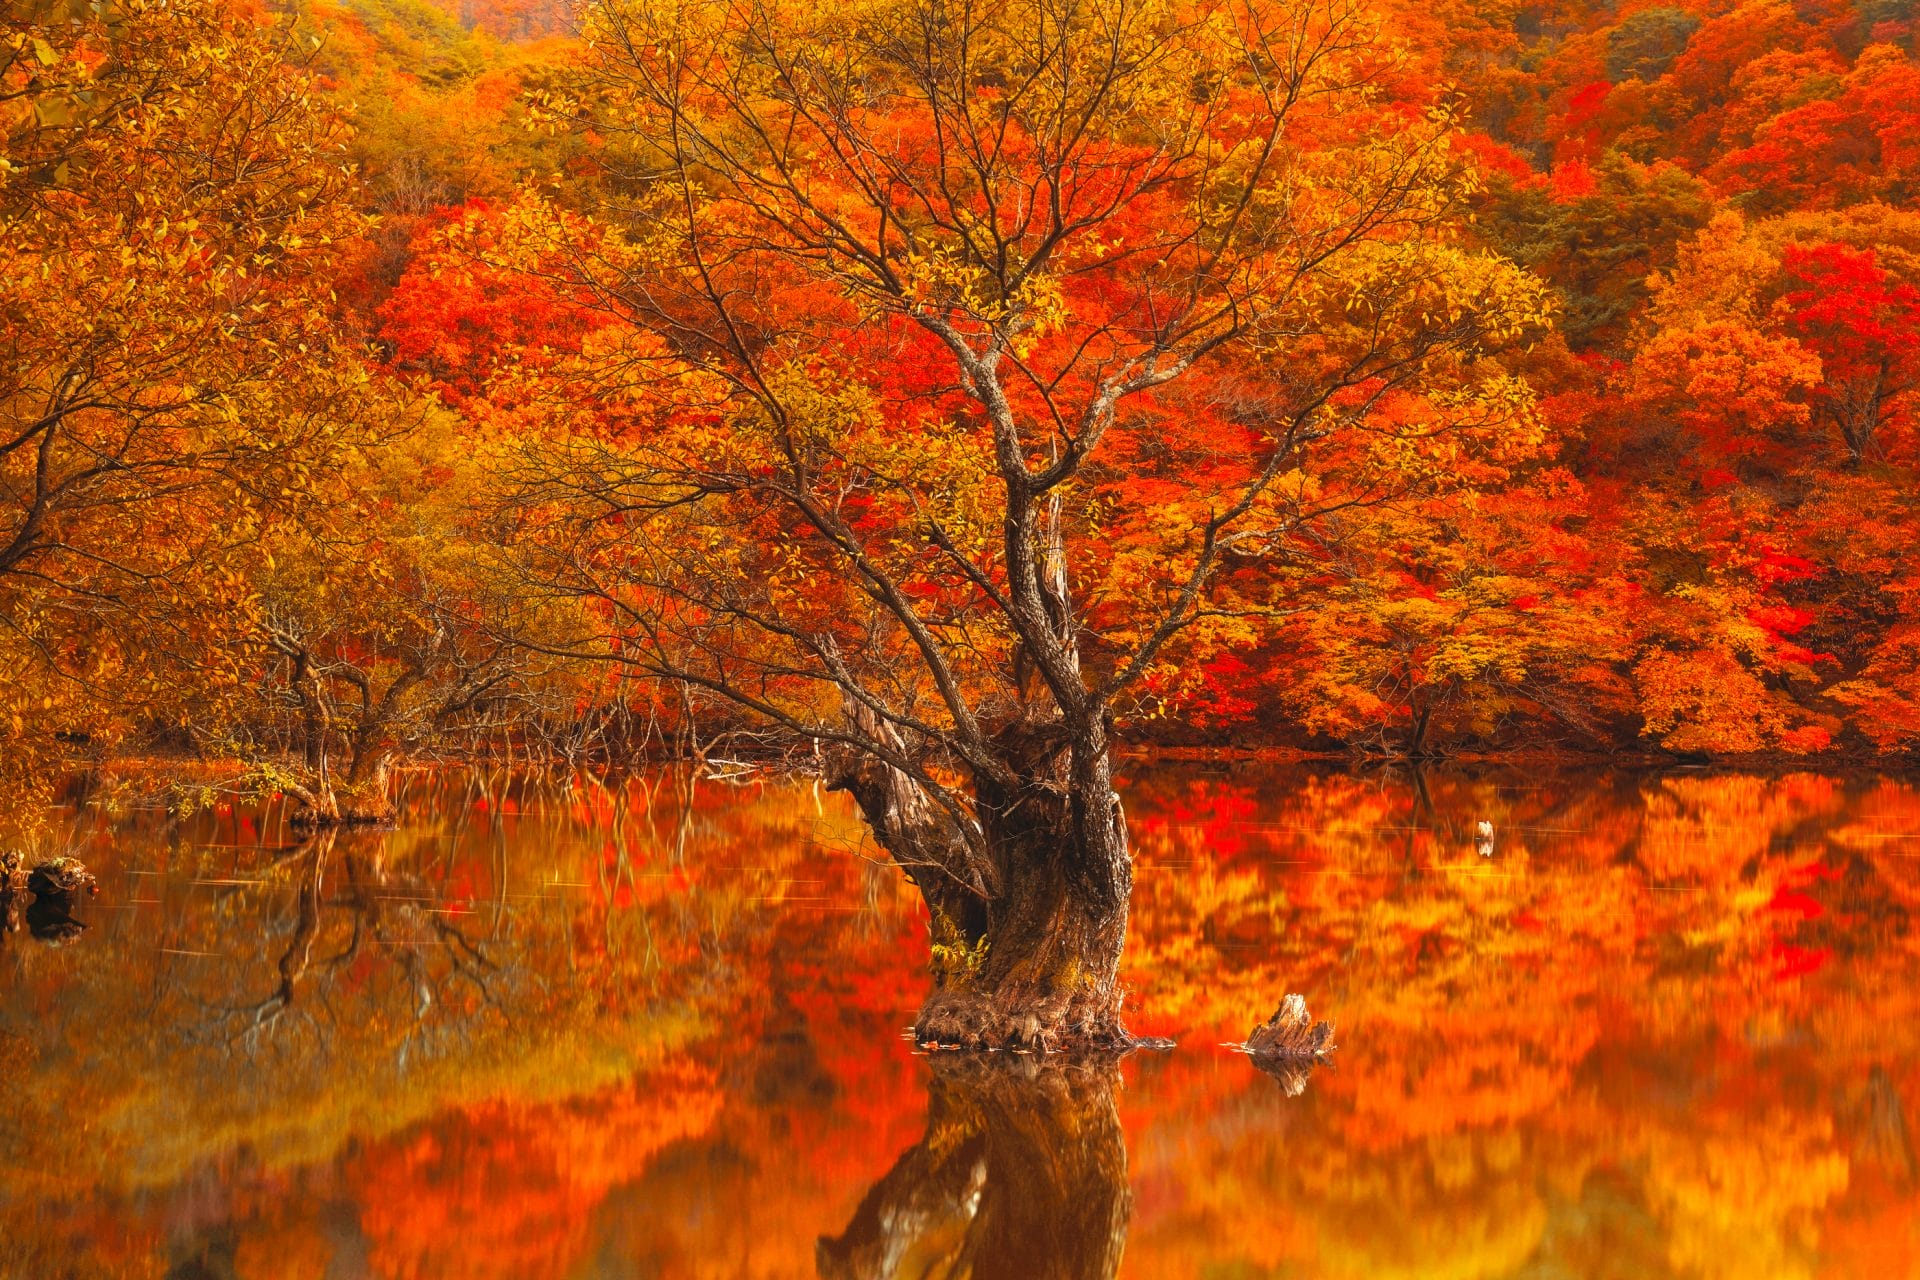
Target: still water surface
x=1668 y=1028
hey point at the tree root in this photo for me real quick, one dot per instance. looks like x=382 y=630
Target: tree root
x=964 y=1019
x=316 y=820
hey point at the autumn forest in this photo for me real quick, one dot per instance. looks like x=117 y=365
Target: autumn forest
x=1399 y=379
x=595 y=582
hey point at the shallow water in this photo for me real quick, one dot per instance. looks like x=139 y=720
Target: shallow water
x=1667 y=1028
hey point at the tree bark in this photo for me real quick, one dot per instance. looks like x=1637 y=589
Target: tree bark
x=363 y=797
x=1028 y=912
x=370 y=789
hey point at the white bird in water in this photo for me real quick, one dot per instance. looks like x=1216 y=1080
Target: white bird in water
x=1483 y=838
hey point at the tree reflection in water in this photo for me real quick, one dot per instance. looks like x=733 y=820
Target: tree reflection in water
x=1022 y=1175
x=341 y=884
x=51 y=920
x=1291 y=1074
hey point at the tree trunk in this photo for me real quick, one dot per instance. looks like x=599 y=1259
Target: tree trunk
x=363 y=798
x=1028 y=914
x=1031 y=1164
x=319 y=803
x=369 y=790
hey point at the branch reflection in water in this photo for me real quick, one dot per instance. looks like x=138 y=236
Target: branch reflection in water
x=346 y=905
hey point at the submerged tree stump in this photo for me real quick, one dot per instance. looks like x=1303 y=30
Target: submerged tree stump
x=41 y=897
x=61 y=877
x=1290 y=1044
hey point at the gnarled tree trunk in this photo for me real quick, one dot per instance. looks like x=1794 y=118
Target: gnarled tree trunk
x=323 y=803
x=1027 y=894
x=369 y=788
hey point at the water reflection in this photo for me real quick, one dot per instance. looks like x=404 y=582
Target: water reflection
x=49 y=920
x=40 y=896
x=653 y=1028
x=1022 y=1173
x=347 y=918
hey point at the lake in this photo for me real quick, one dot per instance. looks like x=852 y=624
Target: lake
x=1668 y=1026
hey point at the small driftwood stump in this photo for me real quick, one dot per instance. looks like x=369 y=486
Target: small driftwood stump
x=1290 y=1044
x=61 y=877
x=1291 y=1033
x=41 y=898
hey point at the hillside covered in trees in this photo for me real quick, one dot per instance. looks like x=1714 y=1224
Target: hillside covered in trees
x=1410 y=379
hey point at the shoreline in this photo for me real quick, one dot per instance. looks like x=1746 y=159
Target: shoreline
x=189 y=768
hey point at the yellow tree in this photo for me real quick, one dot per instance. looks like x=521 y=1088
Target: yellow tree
x=377 y=633
x=172 y=197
